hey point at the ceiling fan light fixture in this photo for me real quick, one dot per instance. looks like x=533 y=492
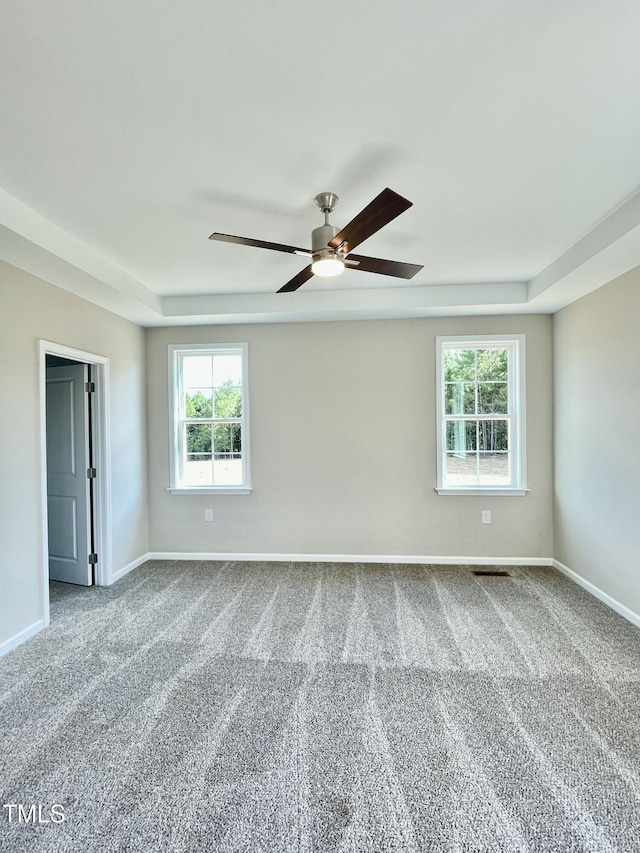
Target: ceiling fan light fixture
x=327 y=265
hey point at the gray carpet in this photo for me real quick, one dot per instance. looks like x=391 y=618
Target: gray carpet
x=329 y=707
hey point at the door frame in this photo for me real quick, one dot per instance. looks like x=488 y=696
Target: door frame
x=101 y=435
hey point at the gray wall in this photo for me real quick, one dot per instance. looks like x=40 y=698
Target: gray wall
x=343 y=446
x=597 y=462
x=31 y=309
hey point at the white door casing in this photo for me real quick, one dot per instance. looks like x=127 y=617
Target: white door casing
x=69 y=523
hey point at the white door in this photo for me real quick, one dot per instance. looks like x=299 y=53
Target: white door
x=67 y=481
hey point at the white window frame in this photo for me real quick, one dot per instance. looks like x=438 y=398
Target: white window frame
x=515 y=344
x=176 y=353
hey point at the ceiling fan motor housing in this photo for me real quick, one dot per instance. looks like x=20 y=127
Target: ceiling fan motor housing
x=321 y=235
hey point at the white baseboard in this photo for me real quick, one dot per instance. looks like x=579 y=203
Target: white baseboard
x=354 y=558
x=21 y=637
x=130 y=567
x=607 y=599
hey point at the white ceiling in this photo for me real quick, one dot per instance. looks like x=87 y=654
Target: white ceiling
x=131 y=131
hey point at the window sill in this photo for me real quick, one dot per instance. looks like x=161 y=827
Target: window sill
x=210 y=490
x=484 y=490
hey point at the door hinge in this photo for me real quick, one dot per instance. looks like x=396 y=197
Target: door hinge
x=93 y=559
x=91 y=473
x=89 y=387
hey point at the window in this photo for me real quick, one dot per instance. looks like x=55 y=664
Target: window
x=480 y=409
x=210 y=419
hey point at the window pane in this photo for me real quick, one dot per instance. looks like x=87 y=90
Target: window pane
x=493 y=364
x=492 y=398
x=461 y=470
x=221 y=439
x=461 y=436
x=228 y=400
x=236 y=439
x=460 y=398
x=459 y=365
x=493 y=435
x=198 y=402
x=227 y=368
x=198 y=464
x=198 y=440
x=197 y=371
x=494 y=469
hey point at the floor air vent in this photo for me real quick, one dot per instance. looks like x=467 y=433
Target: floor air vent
x=491 y=573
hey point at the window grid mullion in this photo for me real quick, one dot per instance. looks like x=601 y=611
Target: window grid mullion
x=211 y=420
x=494 y=417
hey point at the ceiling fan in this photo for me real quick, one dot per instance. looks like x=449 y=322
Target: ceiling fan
x=331 y=248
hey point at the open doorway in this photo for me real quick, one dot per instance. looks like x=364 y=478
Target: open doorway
x=76 y=537
x=71 y=472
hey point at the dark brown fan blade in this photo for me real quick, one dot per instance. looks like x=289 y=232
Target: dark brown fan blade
x=260 y=244
x=297 y=281
x=379 y=212
x=395 y=268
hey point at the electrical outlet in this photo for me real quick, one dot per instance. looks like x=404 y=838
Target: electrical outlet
x=208 y=515
x=486 y=516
